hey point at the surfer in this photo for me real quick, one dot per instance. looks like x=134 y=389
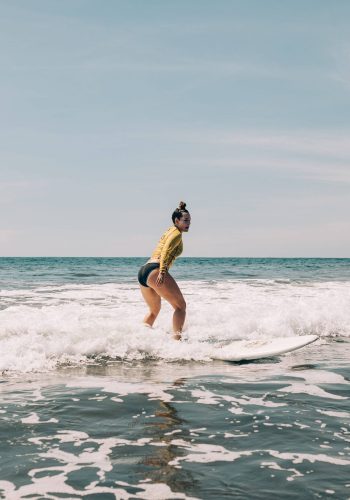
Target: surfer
x=154 y=278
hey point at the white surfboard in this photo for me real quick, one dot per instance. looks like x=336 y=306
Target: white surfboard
x=261 y=348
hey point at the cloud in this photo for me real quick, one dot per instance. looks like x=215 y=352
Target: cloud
x=322 y=155
x=332 y=143
x=305 y=168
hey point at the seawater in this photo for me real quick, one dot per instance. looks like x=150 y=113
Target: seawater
x=94 y=405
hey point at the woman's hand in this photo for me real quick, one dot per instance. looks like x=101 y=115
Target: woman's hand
x=160 y=279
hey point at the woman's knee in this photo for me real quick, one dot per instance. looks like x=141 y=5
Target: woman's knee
x=180 y=305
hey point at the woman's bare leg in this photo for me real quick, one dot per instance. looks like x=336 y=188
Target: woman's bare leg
x=170 y=291
x=153 y=301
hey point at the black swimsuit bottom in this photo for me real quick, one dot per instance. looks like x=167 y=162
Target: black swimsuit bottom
x=144 y=272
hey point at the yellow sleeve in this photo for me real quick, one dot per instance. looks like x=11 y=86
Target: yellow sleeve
x=168 y=251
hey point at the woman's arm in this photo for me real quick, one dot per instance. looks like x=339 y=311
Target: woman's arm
x=167 y=255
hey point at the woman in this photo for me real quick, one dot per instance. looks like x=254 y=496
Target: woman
x=154 y=278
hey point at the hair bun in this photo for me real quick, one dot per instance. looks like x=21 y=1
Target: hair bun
x=182 y=205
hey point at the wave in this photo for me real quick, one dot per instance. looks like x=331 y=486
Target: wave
x=43 y=328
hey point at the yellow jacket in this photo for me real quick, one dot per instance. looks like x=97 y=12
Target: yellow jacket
x=168 y=248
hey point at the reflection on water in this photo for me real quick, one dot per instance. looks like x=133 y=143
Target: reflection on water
x=167 y=424
x=180 y=430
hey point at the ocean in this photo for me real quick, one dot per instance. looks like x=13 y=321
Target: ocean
x=94 y=405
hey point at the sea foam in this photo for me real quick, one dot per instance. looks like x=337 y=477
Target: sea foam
x=49 y=326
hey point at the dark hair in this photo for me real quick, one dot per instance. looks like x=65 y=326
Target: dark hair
x=178 y=212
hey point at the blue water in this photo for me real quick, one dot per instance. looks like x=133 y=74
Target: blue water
x=27 y=272
x=93 y=405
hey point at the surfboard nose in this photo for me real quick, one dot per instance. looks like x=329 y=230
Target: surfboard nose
x=262 y=347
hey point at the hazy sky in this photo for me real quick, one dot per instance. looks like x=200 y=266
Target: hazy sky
x=111 y=112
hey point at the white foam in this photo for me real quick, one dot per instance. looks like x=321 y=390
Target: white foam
x=205 y=397
x=208 y=397
x=48 y=326
x=237 y=411
x=229 y=435
x=176 y=431
x=153 y=390
x=337 y=414
x=275 y=466
x=47 y=486
x=298 y=458
x=322 y=377
x=160 y=491
x=33 y=418
x=206 y=453
x=310 y=389
x=97 y=455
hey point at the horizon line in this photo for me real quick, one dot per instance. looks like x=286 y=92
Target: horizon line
x=145 y=257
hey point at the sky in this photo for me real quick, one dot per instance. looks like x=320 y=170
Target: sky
x=112 y=112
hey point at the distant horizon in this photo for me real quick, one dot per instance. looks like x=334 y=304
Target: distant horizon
x=145 y=257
